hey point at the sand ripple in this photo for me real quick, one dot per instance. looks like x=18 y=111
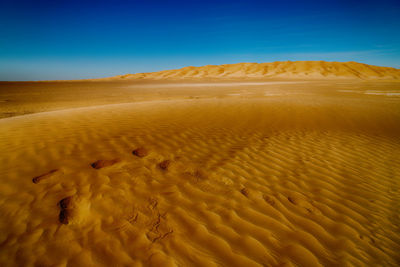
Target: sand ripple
x=222 y=182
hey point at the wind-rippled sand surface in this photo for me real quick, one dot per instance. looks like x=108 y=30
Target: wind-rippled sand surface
x=268 y=175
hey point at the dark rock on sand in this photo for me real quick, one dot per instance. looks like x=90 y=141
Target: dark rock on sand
x=140 y=152
x=104 y=163
x=39 y=178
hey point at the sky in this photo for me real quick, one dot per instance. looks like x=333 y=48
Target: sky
x=52 y=40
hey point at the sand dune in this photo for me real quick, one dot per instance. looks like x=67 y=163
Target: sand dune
x=286 y=69
x=305 y=179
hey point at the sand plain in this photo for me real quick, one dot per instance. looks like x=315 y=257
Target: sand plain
x=271 y=173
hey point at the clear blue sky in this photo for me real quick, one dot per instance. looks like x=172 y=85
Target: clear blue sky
x=88 y=39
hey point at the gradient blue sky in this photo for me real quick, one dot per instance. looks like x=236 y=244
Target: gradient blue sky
x=41 y=40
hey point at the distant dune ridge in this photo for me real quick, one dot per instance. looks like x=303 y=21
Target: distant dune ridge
x=278 y=69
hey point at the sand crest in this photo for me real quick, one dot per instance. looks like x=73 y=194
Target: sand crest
x=278 y=69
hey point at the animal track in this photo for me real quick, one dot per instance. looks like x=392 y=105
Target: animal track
x=159 y=228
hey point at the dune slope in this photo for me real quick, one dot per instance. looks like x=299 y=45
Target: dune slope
x=286 y=69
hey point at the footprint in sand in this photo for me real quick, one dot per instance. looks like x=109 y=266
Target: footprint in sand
x=164 y=165
x=270 y=200
x=301 y=201
x=65 y=210
x=244 y=192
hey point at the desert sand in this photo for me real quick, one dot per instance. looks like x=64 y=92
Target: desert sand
x=202 y=171
x=278 y=69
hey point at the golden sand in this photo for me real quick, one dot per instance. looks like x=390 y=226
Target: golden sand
x=177 y=174
x=278 y=69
